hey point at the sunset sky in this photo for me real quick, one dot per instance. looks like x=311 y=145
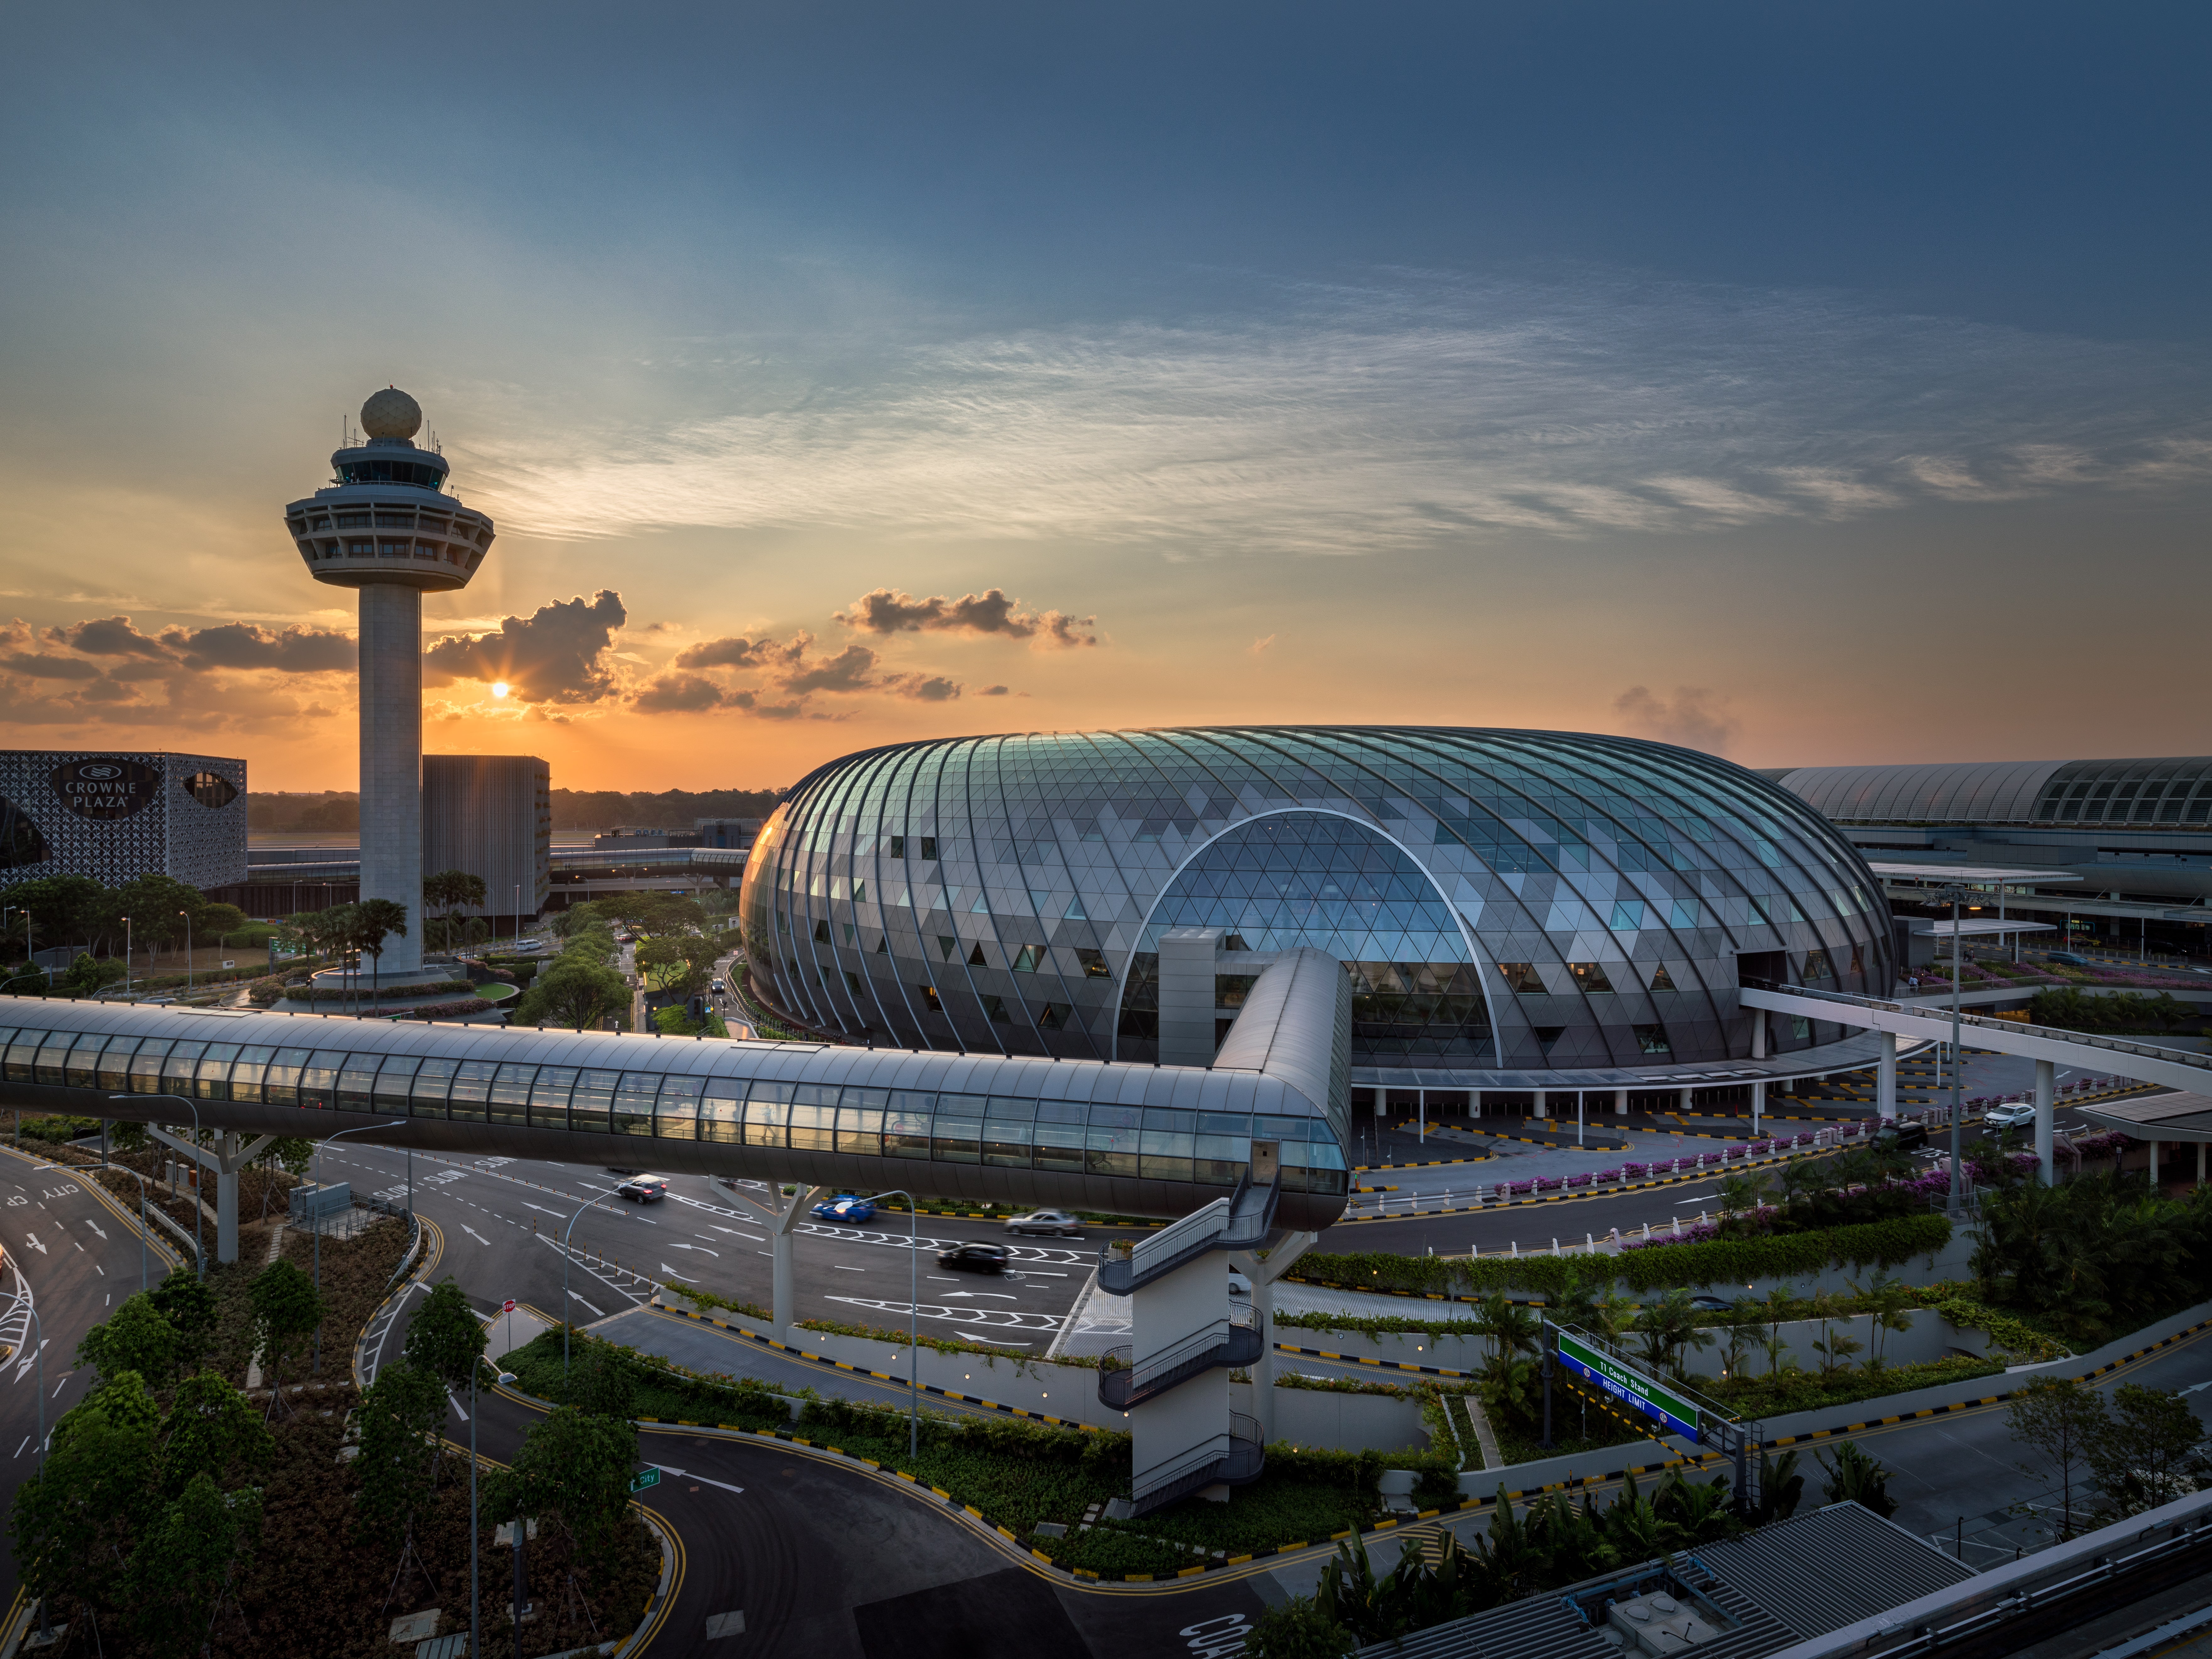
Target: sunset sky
x=1808 y=385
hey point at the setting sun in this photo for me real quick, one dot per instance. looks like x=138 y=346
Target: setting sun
x=499 y=688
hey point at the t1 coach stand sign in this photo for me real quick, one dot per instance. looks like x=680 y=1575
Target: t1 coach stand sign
x=1652 y=1398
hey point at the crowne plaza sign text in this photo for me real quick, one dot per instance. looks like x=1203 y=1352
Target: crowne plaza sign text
x=106 y=787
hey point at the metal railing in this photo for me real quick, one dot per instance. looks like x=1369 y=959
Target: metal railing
x=1232 y=1341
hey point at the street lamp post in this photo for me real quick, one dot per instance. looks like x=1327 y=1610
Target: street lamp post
x=199 y=1247
x=125 y=920
x=565 y=1231
x=1957 y=896
x=187 y=915
x=475 y=1544
x=359 y=1128
x=913 y=1315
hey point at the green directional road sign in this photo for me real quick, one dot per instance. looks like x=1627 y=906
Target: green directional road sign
x=649 y=1478
x=1654 y=1399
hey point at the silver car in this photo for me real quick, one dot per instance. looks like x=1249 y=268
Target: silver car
x=1058 y=1223
x=2017 y=1115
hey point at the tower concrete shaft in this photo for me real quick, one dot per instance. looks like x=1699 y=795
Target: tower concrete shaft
x=391 y=761
x=387 y=528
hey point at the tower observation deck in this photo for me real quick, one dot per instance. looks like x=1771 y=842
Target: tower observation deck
x=386 y=528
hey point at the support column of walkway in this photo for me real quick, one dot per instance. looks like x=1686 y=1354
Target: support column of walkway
x=2046 y=1110
x=1885 y=1086
x=1621 y=1102
x=1263 y=1269
x=1537 y=1110
x=781 y=1214
x=224 y=1159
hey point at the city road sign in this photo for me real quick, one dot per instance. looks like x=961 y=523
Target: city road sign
x=1654 y=1399
x=508 y=1306
x=649 y=1478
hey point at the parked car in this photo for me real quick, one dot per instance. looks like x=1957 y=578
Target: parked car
x=1057 y=1223
x=2067 y=957
x=975 y=1258
x=1903 y=1136
x=644 y=1188
x=2017 y=1115
x=846 y=1209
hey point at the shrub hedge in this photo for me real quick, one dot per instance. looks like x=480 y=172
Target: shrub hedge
x=1663 y=1266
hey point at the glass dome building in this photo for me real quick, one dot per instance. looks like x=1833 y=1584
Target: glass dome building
x=1523 y=902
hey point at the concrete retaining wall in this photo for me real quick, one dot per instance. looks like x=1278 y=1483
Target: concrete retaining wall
x=1347 y=1422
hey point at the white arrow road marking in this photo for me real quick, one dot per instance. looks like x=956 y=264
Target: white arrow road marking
x=542 y=1209
x=474 y=1234
x=756 y=1238
x=2195 y=1387
x=458 y=1407
x=702 y=1249
x=700 y=1479
x=954 y=1296
x=94 y=1226
x=843 y=1268
x=35 y=1245
x=587 y=1304
x=673 y=1273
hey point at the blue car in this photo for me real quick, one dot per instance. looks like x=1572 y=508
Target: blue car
x=846 y=1209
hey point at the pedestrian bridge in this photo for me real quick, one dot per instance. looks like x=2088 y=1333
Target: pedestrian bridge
x=2048 y=1046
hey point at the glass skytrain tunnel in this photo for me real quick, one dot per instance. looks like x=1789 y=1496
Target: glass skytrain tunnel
x=1502 y=899
x=1119 y=1138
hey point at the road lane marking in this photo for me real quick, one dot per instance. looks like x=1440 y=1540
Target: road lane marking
x=458 y=1407
x=673 y=1273
x=474 y=1234
x=595 y=1311
x=843 y=1268
x=700 y=1479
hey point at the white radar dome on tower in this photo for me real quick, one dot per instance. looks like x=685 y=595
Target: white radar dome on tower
x=392 y=413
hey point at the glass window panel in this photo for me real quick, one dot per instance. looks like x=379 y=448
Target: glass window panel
x=464 y=1102
x=319 y=1078
x=82 y=1070
x=1167 y=1155
x=115 y=1063
x=1016 y=1107
x=395 y=1081
x=280 y=1085
x=510 y=1093
x=50 y=1065
x=433 y=1080
x=955 y=1139
x=675 y=1113
x=592 y=1107
x=779 y=1093
x=634 y=1102
x=145 y=1065
x=549 y=1097
x=20 y=1054
x=1006 y=1142
x=962 y=1106
x=1059 y=1142
x=906 y=1127
x=214 y=1075
x=1221 y=1160
x=1111 y=1146
x=177 y=1069
x=722 y=1110
x=813 y=1128
x=861 y=1128
x=814 y=1093
x=765 y=1122
x=357 y=1083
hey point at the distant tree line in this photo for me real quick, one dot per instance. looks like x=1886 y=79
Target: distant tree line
x=672 y=809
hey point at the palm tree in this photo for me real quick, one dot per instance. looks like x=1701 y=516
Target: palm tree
x=375 y=919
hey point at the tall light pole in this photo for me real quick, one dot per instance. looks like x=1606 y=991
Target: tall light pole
x=125 y=920
x=565 y=1231
x=359 y=1128
x=187 y=915
x=199 y=1249
x=1956 y=895
x=913 y=1315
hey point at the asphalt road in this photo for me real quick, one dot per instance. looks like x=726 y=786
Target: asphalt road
x=503 y=1217
x=75 y=1258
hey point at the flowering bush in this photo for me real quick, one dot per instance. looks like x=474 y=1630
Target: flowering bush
x=1582 y=1179
x=1635 y=1171
x=1609 y=1175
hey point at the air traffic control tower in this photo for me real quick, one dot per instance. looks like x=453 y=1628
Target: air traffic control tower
x=386 y=526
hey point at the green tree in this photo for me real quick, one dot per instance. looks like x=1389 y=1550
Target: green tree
x=399 y=1418
x=291 y=1153
x=136 y=1340
x=445 y=1338
x=378 y=919
x=88 y=975
x=2151 y=1452
x=2059 y=1419
x=73 y=1522
x=576 y=1466
x=1296 y=1629
x=180 y=1573
x=189 y=1305
x=211 y=1427
x=449 y=892
x=572 y=992
x=1856 y=1477
x=287 y=1309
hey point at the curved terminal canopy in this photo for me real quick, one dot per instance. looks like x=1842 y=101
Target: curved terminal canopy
x=2174 y=791
x=1525 y=900
x=1127 y=1140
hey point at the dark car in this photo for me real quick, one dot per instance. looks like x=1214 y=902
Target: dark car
x=643 y=1189
x=975 y=1258
x=1903 y=1136
x=1711 y=1303
x=2071 y=958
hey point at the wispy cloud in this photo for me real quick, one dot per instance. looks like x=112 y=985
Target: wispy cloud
x=1355 y=419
